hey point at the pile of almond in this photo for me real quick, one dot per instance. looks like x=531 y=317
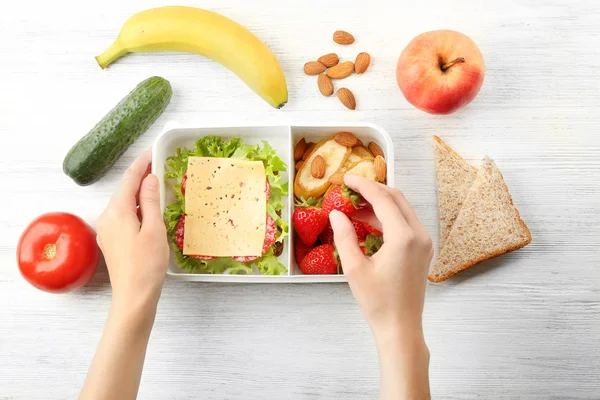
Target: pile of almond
x=328 y=67
x=353 y=158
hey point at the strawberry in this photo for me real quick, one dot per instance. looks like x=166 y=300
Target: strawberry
x=327 y=235
x=361 y=228
x=301 y=250
x=343 y=199
x=371 y=244
x=322 y=260
x=309 y=221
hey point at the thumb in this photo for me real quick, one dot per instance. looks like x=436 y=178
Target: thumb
x=150 y=204
x=345 y=241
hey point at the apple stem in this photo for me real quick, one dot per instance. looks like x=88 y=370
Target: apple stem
x=451 y=63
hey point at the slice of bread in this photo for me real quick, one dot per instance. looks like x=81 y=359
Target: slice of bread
x=487 y=226
x=365 y=168
x=335 y=155
x=454 y=177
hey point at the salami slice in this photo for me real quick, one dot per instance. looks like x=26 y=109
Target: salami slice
x=267 y=190
x=270 y=238
x=184 y=183
x=179 y=232
x=204 y=258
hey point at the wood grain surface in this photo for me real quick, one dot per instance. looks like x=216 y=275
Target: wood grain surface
x=524 y=326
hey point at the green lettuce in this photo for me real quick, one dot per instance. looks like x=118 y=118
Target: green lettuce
x=214 y=146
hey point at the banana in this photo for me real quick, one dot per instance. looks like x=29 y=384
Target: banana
x=193 y=30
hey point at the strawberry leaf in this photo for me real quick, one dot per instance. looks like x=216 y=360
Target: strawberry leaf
x=357 y=200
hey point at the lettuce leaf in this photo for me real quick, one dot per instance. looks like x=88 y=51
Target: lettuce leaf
x=214 y=146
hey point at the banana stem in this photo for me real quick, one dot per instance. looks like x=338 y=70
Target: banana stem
x=111 y=54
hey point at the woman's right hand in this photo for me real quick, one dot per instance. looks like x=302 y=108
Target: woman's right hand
x=390 y=285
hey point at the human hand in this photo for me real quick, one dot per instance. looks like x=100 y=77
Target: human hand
x=134 y=241
x=390 y=285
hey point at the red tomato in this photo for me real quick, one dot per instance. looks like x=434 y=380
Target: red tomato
x=58 y=252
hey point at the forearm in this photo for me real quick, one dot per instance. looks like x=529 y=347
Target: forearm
x=404 y=366
x=117 y=366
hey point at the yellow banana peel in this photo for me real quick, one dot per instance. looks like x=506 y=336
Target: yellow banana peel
x=198 y=31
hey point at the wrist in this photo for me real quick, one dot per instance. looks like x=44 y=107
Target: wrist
x=138 y=310
x=401 y=335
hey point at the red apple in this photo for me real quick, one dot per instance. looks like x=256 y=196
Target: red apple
x=440 y=71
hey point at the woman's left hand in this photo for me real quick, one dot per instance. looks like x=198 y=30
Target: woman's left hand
x=133 y=237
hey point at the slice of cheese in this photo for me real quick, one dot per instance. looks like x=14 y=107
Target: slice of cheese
x=226 y=207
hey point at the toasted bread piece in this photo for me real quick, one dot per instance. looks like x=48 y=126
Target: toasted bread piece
x=352 y=159
x=365 y=168
x=335 y=155
x=454 y=177
x=362 y=151
x=487 y=226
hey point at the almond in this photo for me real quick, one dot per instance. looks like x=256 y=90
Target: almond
x=299 y=149
x=325 y=85
x=329 y=60
x=380 y=169
x=343 y=37
x=341 y=71
x=317 y=167
x=314 y=68
x=309 y=148
x=359 y=143
x=362 y=62
x=347 y=139
x=375 y=149
x=299 y=165
x=337 y=178
x=347 y=98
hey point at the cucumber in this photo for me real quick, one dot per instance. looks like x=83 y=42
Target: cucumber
x=94 y=154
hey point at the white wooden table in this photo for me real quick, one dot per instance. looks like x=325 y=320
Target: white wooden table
x=525 y=326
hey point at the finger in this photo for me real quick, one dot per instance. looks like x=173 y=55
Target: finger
x=125 y=197
x=346 y=242
x=405 y=208
x=384 y=205
x=150 y=205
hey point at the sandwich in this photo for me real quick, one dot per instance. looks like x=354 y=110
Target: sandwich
x=486 y=225
x=226 y=216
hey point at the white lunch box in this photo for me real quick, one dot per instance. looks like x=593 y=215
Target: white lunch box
x=282 y=139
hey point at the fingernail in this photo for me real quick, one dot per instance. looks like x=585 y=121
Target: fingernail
x=151 y=182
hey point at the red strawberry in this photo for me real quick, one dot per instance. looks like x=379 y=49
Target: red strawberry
x=322 y=260
x=361 y=228
x=301 y=250
x=343 y=199
x=327 y=235
x=309 y=221
x=371 y=244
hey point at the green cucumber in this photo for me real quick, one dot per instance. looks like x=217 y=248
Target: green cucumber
x=94 y=154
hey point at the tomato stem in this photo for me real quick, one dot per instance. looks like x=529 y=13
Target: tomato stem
x=50 y=251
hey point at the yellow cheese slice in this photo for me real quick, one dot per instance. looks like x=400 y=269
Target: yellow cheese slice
x=226 y=207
